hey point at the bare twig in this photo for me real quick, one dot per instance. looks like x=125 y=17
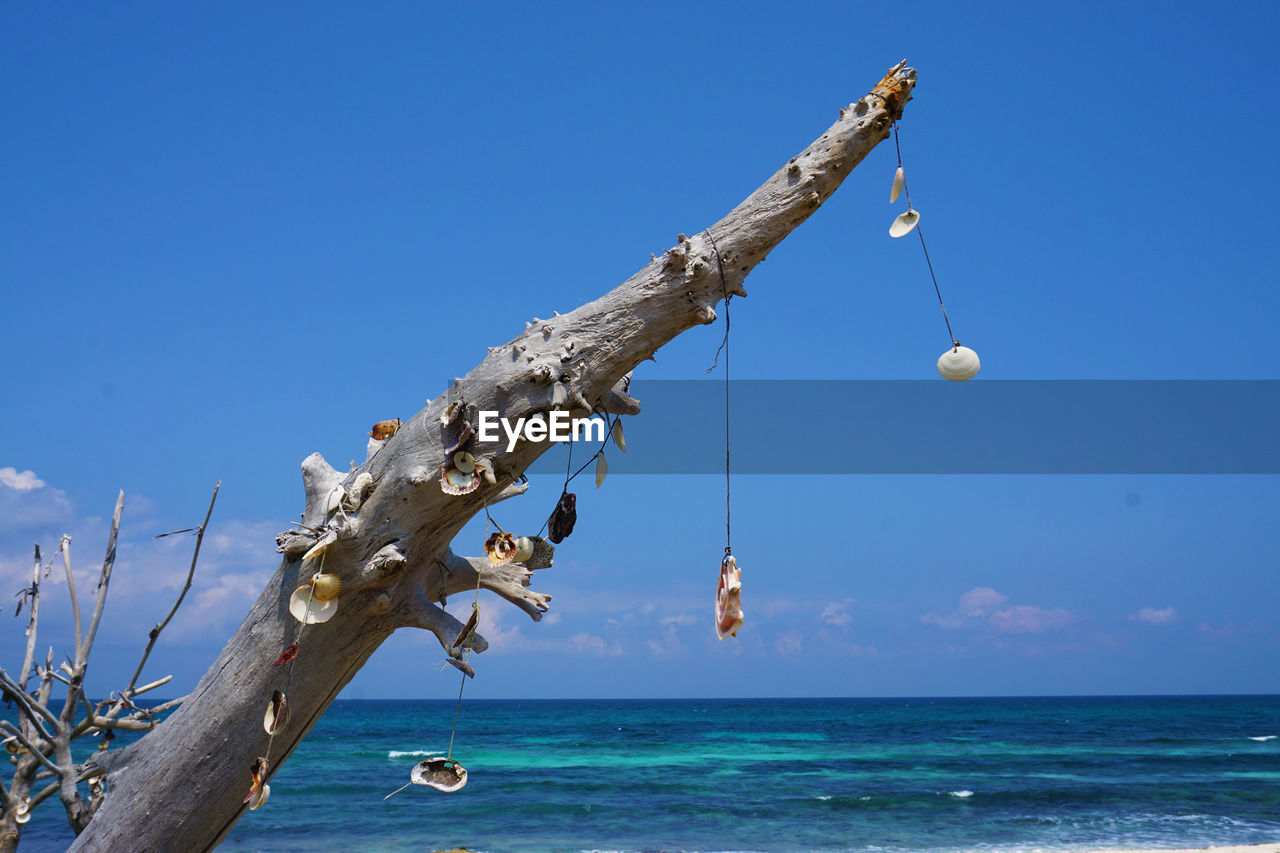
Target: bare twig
x=155 y=632
x=33 y=619
x=82 y=651
x=30 y=747
x=65 y=548
x=28 y=706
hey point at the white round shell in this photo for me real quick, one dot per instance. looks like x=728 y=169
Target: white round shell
x=958 y=364
x=309 y=610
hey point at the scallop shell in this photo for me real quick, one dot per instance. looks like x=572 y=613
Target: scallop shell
x=277 y=713
x=22 y=813
x=500 y=548
x=443 y=774
x=729 y=616
x=602 y=470
x=904 y=224
x=618 y=438
x=310 y=610
x=958 y=364
x=325 y=587
x=383 y=430
x=898 y=180
x=455 y=482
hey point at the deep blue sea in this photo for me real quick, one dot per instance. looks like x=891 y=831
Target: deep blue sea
x=778 y=775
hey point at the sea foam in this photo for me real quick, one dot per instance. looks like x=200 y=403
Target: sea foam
x=395 y=753
x=960 y=793
x=1264 y=737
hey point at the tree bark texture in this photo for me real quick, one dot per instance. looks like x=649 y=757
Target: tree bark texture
x=183 y=785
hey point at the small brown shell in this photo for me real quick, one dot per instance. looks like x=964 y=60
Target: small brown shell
x=383 y=430
x=500 y=548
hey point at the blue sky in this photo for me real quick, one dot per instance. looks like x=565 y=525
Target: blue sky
x=237 y=235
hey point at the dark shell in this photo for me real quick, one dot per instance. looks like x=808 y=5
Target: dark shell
x=467 y=630
x=443 y=774
x=464 y=436
x=464 y=667
x=564 y=517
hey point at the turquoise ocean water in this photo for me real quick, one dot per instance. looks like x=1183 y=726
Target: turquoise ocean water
x=778 y=775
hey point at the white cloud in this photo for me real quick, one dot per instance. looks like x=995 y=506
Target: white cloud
x=837 y=613
x=790 y=643
x=22 y=482
x=1025 y=619
x=985 y=607
x=1154 y=616
x=585 y=643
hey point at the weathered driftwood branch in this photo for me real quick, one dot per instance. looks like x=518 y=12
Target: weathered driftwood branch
x=188 y=778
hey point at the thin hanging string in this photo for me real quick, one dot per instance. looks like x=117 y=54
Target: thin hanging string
x=288 y=677
x=906 y=189
x=724 y=345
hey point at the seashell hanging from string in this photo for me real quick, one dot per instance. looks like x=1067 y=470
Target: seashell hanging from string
x=729 y=617
x=277 y=713
x=307 y=608
x=904 y=224
x=563 y=518
x=958 y=363
x=260 y=790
